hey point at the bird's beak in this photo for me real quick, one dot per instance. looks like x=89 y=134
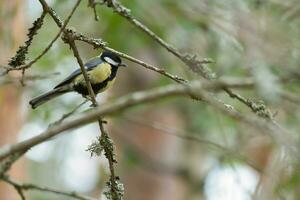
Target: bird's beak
x=123 y=65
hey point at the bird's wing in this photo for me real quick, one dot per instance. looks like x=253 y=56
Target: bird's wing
x=88 y=66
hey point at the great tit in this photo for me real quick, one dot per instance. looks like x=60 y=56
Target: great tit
x=102 y=71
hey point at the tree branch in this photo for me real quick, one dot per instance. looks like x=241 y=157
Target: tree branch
x=192 y=61
x=195 y=64
x=28 y=186
x=99 y=43
x=195 y=88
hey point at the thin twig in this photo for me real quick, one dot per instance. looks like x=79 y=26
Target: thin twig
x=28 y=186
x=10 y=80
x=53 y=14
x=99 y=43
x=148 y=66
x=67 y=115
x=93 y=4
x=258 y=108
x=195 y=64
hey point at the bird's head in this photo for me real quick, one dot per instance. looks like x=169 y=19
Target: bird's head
x=112 y=59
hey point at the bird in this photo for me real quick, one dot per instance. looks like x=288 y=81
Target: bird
x=101 y=70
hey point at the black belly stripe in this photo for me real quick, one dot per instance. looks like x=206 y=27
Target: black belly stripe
x=99 y=86
x=82 y=89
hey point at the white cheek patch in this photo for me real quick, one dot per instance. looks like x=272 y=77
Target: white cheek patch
x=111 y=61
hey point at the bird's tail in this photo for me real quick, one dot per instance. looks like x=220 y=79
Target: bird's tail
x=37 y=101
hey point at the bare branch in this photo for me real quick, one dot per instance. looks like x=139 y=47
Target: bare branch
x=133 y=99
x=11 y=80
x=92 y=4
x=195 y=64
x=258 y=108
x=28 y=186
x=99 y=43
x=53 y=14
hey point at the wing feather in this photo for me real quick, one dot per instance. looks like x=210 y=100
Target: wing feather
x=88 y=66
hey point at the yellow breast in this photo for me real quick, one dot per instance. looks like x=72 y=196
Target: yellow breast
x=96 y=75
x=100 y=73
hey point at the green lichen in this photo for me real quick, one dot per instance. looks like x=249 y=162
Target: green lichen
x=20 y=57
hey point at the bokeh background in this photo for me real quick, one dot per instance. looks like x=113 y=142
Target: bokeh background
x=173 y=149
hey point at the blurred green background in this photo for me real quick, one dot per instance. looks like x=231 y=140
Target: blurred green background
x=158 y=155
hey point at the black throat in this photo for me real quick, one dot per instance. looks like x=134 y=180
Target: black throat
x=113 y=74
